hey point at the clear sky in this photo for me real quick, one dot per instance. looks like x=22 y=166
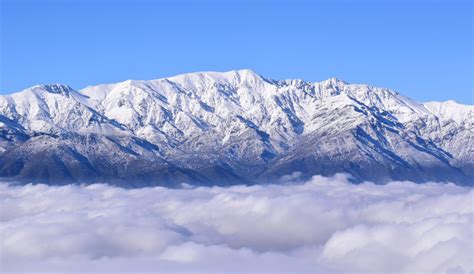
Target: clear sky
x=421 y=48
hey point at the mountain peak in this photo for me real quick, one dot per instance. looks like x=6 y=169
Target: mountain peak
x=335 y=81
x=451 y=110
x=54 y=88
x=241 y=73
x=245 y=72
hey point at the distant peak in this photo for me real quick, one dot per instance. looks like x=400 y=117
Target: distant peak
x=246 y=72
x=448 y=103
x=232 y=76
x=335 y=81
x=239 y=73
x=56 y=88
x=452 y=102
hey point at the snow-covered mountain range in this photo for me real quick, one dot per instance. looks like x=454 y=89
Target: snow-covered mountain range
x=227 y=128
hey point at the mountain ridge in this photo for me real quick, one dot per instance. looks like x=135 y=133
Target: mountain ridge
x=231 y=127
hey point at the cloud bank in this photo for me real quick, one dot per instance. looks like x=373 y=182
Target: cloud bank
x=323 y=225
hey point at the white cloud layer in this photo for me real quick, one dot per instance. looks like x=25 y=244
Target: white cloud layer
x=324 y=225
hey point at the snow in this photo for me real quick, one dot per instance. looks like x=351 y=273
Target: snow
x=245 y=114
x=451 y=110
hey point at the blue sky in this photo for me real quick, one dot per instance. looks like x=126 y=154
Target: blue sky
x=421 y=48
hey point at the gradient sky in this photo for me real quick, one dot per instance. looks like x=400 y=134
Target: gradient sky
x=421 y=48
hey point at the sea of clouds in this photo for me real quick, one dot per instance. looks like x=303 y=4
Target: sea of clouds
x=322 y=225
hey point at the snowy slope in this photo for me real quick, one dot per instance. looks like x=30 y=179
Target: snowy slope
x=232 y=127
x=450 y=110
